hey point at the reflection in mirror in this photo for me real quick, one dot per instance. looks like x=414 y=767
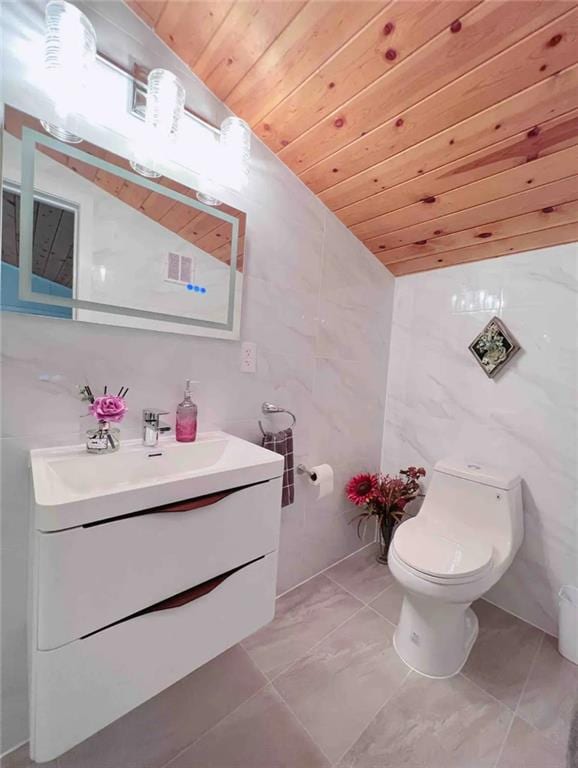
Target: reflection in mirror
x=52 y=257
x=96 y=242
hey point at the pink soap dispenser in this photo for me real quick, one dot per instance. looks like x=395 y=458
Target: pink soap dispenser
x=186 y=424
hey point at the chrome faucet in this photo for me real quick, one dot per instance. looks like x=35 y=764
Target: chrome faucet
x=152 y=426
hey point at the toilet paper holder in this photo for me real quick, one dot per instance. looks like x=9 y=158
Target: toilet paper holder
x=303 y=470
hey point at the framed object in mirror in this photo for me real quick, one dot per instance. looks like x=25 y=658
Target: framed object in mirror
x=87 y=239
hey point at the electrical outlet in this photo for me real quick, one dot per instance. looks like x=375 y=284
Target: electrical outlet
x=248 y=357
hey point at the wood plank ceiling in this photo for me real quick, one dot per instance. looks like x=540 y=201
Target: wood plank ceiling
x=438 y=131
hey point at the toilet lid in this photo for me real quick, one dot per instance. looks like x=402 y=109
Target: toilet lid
x=424 y=549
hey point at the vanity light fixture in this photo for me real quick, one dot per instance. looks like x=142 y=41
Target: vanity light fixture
x=235 y=155
x=165 y=106
x=236 y=151
x=69 y=56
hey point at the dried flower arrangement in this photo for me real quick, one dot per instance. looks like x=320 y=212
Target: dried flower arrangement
x=385 y=498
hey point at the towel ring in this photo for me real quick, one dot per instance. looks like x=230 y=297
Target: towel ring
x=268 y=408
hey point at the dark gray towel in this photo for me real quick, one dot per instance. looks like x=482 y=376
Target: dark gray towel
x=282 y=442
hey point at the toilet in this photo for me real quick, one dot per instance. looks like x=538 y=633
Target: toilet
x=463 y=540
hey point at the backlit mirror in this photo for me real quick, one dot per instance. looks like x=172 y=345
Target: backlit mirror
x=86 y=238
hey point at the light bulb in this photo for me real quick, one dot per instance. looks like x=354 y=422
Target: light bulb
x=165 y=107
x=69 y=56
x=236 y=151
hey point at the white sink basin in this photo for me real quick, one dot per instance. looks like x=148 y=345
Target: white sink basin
x=73 y=487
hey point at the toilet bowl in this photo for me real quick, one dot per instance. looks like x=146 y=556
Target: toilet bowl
x=462 y=541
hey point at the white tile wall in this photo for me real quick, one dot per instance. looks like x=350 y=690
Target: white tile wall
x=439 y=402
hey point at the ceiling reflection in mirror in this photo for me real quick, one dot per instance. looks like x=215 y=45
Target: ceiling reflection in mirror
x=85 y=238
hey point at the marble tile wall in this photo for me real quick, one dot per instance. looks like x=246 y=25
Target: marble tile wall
x=317 y=304
x=440 y=403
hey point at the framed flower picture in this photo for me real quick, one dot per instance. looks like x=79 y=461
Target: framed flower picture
x=494 y=347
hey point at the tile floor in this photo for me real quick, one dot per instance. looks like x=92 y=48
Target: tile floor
x=322 y=686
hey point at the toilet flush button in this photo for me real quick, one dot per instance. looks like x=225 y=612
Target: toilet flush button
x=474 y=466
x=414 y=637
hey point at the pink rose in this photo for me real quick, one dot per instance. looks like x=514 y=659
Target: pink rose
x=108 y=408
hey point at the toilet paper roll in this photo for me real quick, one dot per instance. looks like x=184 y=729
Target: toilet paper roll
x=323 y=479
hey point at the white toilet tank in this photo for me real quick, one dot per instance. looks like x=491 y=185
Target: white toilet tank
x=476 y=498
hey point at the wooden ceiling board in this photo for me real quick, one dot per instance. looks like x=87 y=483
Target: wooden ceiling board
x=407 y=185
x=245 y=34
x=479 y=90
x=486 y=31
x=542 y=218
x=532 y=199
x=541 y=171
x=188 y=28
x=216 y=238
x=177 y=217
x=131 y=194
x=406 y=117
x=544 y=238
x=365 y=58
x=315 y=34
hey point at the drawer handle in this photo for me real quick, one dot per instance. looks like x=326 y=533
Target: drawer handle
x=182 y=598
x=189 y=504
x=189 y=595
x=178 y=506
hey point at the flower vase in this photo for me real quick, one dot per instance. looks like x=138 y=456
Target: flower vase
x=386 y=529
x=103 y=439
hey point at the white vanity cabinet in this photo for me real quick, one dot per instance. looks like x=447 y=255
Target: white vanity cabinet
x=123 y=607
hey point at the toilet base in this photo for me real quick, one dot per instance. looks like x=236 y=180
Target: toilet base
x=435 y=638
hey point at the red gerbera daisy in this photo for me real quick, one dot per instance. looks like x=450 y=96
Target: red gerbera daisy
x=361 y=488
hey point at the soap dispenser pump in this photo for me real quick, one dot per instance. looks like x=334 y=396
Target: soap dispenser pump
x=186 y=422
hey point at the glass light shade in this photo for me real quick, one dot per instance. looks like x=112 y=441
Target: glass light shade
x=165 y=107
x=165 y=103
x=207 y=199
x=236 y=151
x=69 y=56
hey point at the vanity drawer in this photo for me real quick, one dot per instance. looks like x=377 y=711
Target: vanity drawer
x=89 y=577
x=81 y=687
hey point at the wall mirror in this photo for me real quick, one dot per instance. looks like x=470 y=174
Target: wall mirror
x=87 y=239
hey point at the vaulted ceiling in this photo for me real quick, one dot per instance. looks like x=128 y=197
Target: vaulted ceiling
x=438 y=131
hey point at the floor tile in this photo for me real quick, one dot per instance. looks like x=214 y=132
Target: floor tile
x=551 y=693
x=433 y=724
x=501 y=657
x=302 y=618
x=261 y=733
x=527 y=748
x=339 y=686
x=152 y=734
x=361 y=574
x=389 y=603
x=19 y=758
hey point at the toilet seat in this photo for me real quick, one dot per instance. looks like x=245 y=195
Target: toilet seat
x=441 y=558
